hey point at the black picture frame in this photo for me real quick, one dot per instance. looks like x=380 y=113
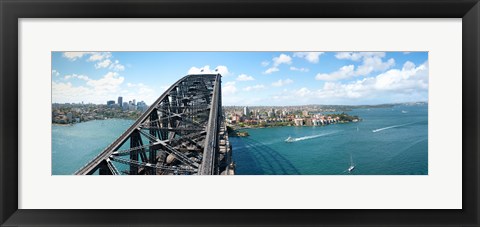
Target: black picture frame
x=11 y=11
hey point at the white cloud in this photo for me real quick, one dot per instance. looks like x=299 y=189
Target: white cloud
x=116 y=66
x=99 y=56
x=265 y=63
x=108 y=87
x=282 y=59
x=109 y=83
x=102 y=59
x=221 y=69
x=312 y=57
x=254 y=88
x=344 y=72
x=371 y=62
x=107 y=63
x=374 y=64
x=271 y=70
x=103 y=64
x=302 y=92
x=141 y=92
x=356 y=56
x=409 y=77
x=55 y=73
x=298 y=69
x=82 y=77
x=400 y=85
x=67 y=93
x=94 y=56
x=229 y=88
x=244 y=77
x=280 y=83
x=72 y=56
x=277 y=61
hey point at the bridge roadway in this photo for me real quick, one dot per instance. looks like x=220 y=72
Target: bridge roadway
x=211 y=141
x=207 y=164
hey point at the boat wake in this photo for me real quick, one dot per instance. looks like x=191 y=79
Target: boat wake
x=309 y=137
x=389 y=127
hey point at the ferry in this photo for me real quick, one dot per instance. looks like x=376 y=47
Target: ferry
x=352 y=166
x=290 y=140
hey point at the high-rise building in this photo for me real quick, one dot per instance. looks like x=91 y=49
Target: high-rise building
x=120 y=101
x=142 y=106
x=246 y=111
x=110 y=102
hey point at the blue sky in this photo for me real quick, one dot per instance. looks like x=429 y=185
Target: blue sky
x=249 y=78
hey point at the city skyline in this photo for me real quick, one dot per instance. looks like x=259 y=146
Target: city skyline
x=248 y=78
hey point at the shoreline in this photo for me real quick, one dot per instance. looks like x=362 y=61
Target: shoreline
x=62 y=125
x=74 y=123
x=279 y=126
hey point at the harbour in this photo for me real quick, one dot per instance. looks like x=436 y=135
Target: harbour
x=399 y=145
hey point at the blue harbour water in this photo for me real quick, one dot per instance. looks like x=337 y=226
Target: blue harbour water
x=388 y=141
x=73 y=146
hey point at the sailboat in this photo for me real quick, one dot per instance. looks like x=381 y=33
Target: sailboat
x=352 y=166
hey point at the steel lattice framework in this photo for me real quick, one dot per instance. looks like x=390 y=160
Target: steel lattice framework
x=182 y=132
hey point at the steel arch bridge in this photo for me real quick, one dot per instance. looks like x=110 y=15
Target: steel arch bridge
x=181 y=133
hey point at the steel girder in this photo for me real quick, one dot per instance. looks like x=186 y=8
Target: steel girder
x=178 y=134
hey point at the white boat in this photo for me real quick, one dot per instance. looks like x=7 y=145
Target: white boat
x=290 y=139
x=352 y=166
x=403 y=111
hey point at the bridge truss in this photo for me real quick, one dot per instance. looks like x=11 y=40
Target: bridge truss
x=181 y=133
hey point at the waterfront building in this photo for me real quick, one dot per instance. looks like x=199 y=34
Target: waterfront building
x=308 y=122
x=298 y=122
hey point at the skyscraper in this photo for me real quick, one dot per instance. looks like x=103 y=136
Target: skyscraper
x=120 y=101
x=246 y=111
